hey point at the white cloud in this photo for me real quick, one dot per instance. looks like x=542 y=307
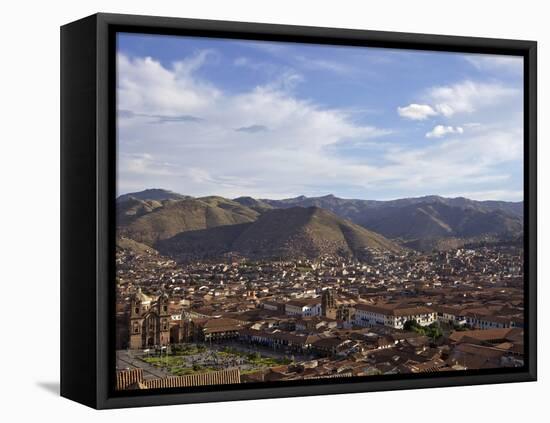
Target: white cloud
x=468 y=96
x=286 y=81
x=175 y=92
x=266 y=67
x=499 y=63
x=416 y=111
x=288 y=55
x=473 y=162
x=465 y=97
x=444 y=109
x=266 y=142
x=281 y=77
x=194 y=62
x=324 y=65
x=441 y=130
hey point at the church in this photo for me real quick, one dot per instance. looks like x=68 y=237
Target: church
x=149 y=321
x=337 y=310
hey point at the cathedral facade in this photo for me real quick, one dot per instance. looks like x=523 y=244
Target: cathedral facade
x=332 y=309
x=149 y=322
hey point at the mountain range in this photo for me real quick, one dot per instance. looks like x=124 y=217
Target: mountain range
x=188 y=228
x=295 y=232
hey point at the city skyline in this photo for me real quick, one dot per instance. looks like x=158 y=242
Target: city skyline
x=279 y=120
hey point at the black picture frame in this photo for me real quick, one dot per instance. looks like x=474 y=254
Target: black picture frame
x=88 y=152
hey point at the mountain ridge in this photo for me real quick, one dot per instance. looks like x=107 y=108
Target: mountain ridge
x=157 y=194
x=281 y=233
x=184 y=215
x=420 y=222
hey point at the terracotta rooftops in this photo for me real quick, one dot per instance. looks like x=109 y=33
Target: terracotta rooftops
x=394 y=309
x=488 y=335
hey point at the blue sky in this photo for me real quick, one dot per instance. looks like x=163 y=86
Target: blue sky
x=205 y=116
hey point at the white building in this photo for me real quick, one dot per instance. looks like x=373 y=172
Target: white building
x=305 y=307
x=367 y=315
x=473 y=319
x=451 y=315
x=478 y=321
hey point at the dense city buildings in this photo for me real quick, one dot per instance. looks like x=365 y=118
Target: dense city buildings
x=459 y=309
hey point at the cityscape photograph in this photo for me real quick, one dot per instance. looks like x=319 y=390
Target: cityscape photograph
x=291 y=212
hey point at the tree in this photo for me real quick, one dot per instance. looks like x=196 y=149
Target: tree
x=434 y=331
x=254 y=356
x=411 y=325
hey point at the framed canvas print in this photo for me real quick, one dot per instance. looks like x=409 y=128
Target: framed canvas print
x=256 y=211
